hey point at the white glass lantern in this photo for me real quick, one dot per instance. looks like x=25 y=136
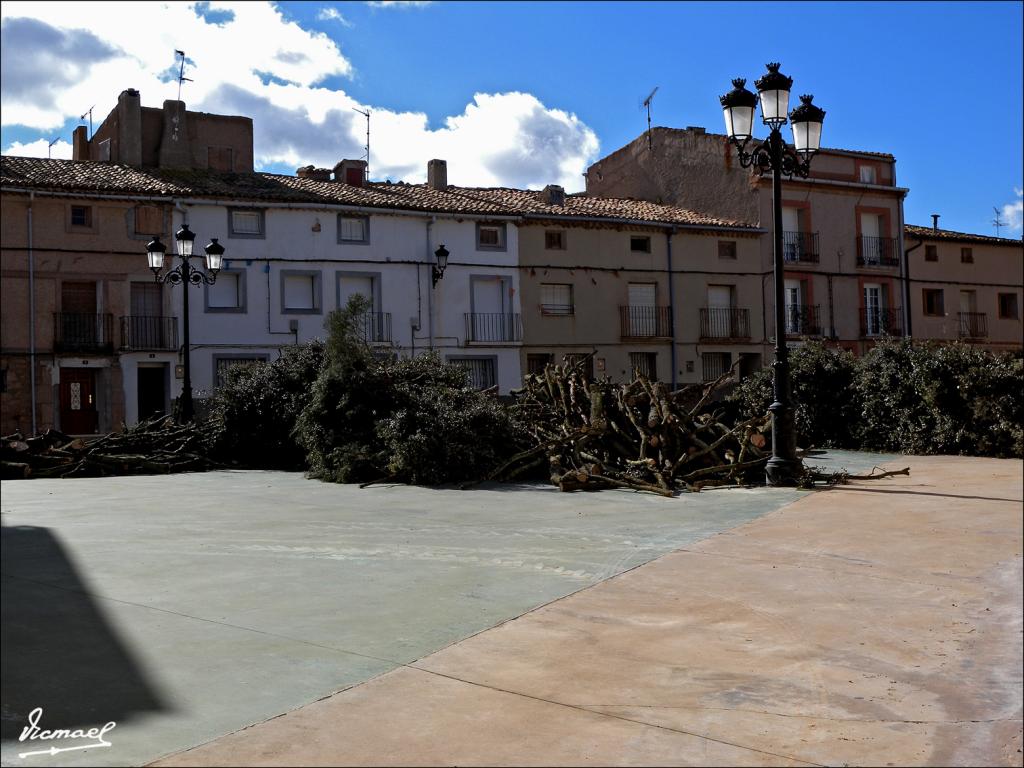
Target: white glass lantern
x=185 y=237
x=214 y=256
x=807 y=120
x=773 y=88
x=738 y=109
x=155 y=251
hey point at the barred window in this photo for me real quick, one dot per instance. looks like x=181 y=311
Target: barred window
x=535 y=364
x=588 y=367
x=556 y=299
x=223 y=364
x=644 y=364
x=481 y=370
x=715 y=364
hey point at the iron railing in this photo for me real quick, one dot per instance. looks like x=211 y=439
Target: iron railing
x=74 y=332
x=142 y=332
x=881 y=322
x=973 y=325
x=800 y=246
x=494 y=326
x=878 y=252
x=803 y=320
x=376 y=326
x=640 y=322
x=724 y=323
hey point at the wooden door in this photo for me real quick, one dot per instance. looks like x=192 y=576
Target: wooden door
x=78 y=411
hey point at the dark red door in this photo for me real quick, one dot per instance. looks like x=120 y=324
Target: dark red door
x=78 y=414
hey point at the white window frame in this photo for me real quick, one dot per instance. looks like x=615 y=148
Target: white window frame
x=238 y=234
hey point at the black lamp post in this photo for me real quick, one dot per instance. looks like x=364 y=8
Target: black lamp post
x=186 y=275
x=772 y=154
x=437 y=270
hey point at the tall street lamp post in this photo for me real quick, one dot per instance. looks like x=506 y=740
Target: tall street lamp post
x=772 y=154
x=185 y=274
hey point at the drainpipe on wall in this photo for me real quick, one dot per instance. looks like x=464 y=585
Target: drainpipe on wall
x=671 y=305
x=31 y=316
x=430 y=293
x=906 y=276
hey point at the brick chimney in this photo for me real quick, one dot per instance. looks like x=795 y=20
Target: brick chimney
x=174 y=147
x=553 y=195
x=80 y=143
x=437 y=175
x=129 y=128
x=314 y=173
x=351 y=172
x=935 y=222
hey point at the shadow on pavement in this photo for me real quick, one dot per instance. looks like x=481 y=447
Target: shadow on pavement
x=58 y=651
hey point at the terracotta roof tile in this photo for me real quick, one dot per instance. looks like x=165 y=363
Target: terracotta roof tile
x=928 y=233
x=110 y=178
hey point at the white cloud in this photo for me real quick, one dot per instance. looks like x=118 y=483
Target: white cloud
x=333 y=14
x=1013 y=213
x=498 y=139
x=40 y=148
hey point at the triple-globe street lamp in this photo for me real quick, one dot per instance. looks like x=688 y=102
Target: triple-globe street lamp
x=185 y=274
x=772 y=154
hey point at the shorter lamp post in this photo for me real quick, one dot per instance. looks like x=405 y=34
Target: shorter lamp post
x=772 y=154
x=437 y=270
x=185 y=274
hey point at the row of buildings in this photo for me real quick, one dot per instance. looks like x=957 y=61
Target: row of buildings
x=663 y=266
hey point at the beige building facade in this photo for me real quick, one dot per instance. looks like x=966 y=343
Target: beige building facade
x=841 y=226
x=965 y=287
x=679 y=304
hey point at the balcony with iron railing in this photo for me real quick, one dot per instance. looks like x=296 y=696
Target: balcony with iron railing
x=973 y=325
x=491 y=327
x=75 y=332
x=375 y=327
x=881 y=322
x=803 y=320
x=878 y=252
x=149 y=333
x=724 y=323
x=645 y=322
x=800 y=247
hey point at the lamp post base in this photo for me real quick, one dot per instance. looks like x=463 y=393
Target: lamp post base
x=784 y=473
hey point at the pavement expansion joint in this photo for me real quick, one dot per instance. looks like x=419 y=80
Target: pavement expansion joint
x=615 y=716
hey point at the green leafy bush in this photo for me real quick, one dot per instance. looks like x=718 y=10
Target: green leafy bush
x=822 y=382
x=901 y=397
x=412 y=420
x=255 y=410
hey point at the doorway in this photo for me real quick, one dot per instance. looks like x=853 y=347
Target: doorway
x=152 y=391
x=78 y=412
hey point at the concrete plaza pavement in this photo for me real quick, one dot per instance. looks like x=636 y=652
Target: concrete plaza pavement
x=871 y=624
x=186 y=607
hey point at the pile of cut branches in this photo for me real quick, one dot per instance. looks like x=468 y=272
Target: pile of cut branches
x=591 y=435
x=158 y=446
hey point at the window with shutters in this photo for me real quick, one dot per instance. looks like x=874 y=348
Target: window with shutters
x=353 y=229
x=149 y=220
x=227 y=294
x=933 y=302
x=556 y=299
x=967 y=255
x=300 y=292
x=931 y=253
x=245 y=223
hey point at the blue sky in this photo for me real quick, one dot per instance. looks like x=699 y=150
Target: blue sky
x=530 y=93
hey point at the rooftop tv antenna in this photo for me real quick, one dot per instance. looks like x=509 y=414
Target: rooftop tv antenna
x=181 y=72
x=366 y=114
x=88 y=113
x=647 y=103
x=997 y=222
x=49 y=148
